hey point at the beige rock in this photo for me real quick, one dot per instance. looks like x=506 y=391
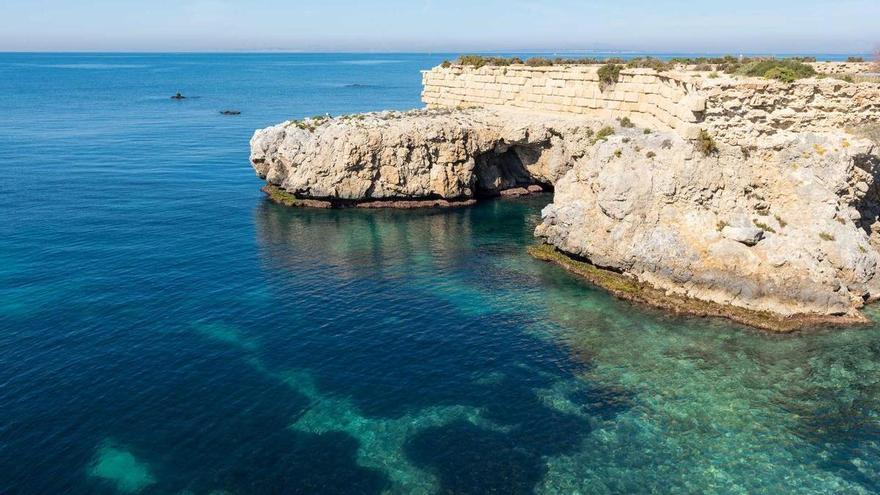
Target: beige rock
x=417 y=154
x=781 y=220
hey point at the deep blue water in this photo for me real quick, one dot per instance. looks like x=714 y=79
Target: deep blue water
x=165 y=330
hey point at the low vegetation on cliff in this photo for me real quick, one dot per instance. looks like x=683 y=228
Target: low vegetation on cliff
x=706 y=144
x=609 y=73
x=782 y=70
x=786 y=70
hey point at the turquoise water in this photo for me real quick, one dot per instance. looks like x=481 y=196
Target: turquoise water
x=165 y=330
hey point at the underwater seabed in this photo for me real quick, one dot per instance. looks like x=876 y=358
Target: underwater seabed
x=658 y=403
x=711 y=406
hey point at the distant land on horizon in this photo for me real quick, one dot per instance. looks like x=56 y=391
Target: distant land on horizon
x=524 y=52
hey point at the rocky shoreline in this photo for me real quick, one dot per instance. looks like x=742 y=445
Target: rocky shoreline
x=632 y=290
x=780 y=233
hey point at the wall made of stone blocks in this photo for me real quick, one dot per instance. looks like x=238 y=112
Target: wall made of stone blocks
x=733 y=110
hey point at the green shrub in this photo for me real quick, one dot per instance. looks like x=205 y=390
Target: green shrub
x=538 y=62
x=609 y=73
x=478 y=61
x=625 y=122
x=604 y=133
x=646 y=131
x=855 y=59
x=781 y=74
x=706 y=144
x=730 y=68
x=650 y=154
x=446 y=64
x=783 y=70
x=649 y=63
x=618 y=153
x=825 y=236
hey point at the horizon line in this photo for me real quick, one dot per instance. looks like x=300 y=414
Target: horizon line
x=431 y=52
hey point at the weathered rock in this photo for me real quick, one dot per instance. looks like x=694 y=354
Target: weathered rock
x=658 y=220
x=776 y=228
x=417 y=155
x=746 y=235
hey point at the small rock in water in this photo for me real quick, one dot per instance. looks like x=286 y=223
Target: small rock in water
x=230 y=112
x=178 y=96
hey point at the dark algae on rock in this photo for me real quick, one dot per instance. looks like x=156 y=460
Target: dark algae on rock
x=629 y=289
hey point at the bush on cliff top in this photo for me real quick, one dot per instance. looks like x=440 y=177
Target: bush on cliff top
x=649 y=63
x=539 y=62
x=787 y=70
x=609 y=73
x=480 y=61
x=782 y=70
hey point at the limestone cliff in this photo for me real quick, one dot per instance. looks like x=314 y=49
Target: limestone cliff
x=772 y=223
x=784 y=230
x=416 y=155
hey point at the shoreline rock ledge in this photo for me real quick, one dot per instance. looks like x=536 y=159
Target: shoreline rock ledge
x=747 y=199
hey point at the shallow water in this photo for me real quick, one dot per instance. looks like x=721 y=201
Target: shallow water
x=164 y=329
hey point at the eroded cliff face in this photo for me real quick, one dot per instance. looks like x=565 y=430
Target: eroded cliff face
x=417 y=155
x=782 y=224
x=786 y=230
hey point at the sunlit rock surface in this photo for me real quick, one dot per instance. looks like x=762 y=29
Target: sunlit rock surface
x=417 y=155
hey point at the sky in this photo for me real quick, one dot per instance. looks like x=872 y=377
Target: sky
x=702 y=26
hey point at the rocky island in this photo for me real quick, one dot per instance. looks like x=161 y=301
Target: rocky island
x=686 y=186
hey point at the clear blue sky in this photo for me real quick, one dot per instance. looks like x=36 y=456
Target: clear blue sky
x=736 y=26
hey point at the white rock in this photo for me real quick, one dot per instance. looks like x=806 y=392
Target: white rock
x=746 y=235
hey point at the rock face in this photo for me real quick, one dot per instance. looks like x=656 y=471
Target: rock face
x=417 y=155
x=788 y=231
x=784 y=227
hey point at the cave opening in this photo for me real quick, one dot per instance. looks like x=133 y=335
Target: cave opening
x=508 y=169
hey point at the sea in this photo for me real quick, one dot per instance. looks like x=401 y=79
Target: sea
x=165 y=329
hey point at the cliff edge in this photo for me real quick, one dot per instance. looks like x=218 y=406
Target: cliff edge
x=743 y=198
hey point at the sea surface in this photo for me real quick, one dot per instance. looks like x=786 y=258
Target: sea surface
x=166 y=330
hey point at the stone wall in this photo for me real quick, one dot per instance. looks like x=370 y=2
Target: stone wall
x=649 y=99
x=739 y=111
x=734 y=110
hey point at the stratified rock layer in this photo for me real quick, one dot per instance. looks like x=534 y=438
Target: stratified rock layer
x=784 y=228
x=417 y=155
